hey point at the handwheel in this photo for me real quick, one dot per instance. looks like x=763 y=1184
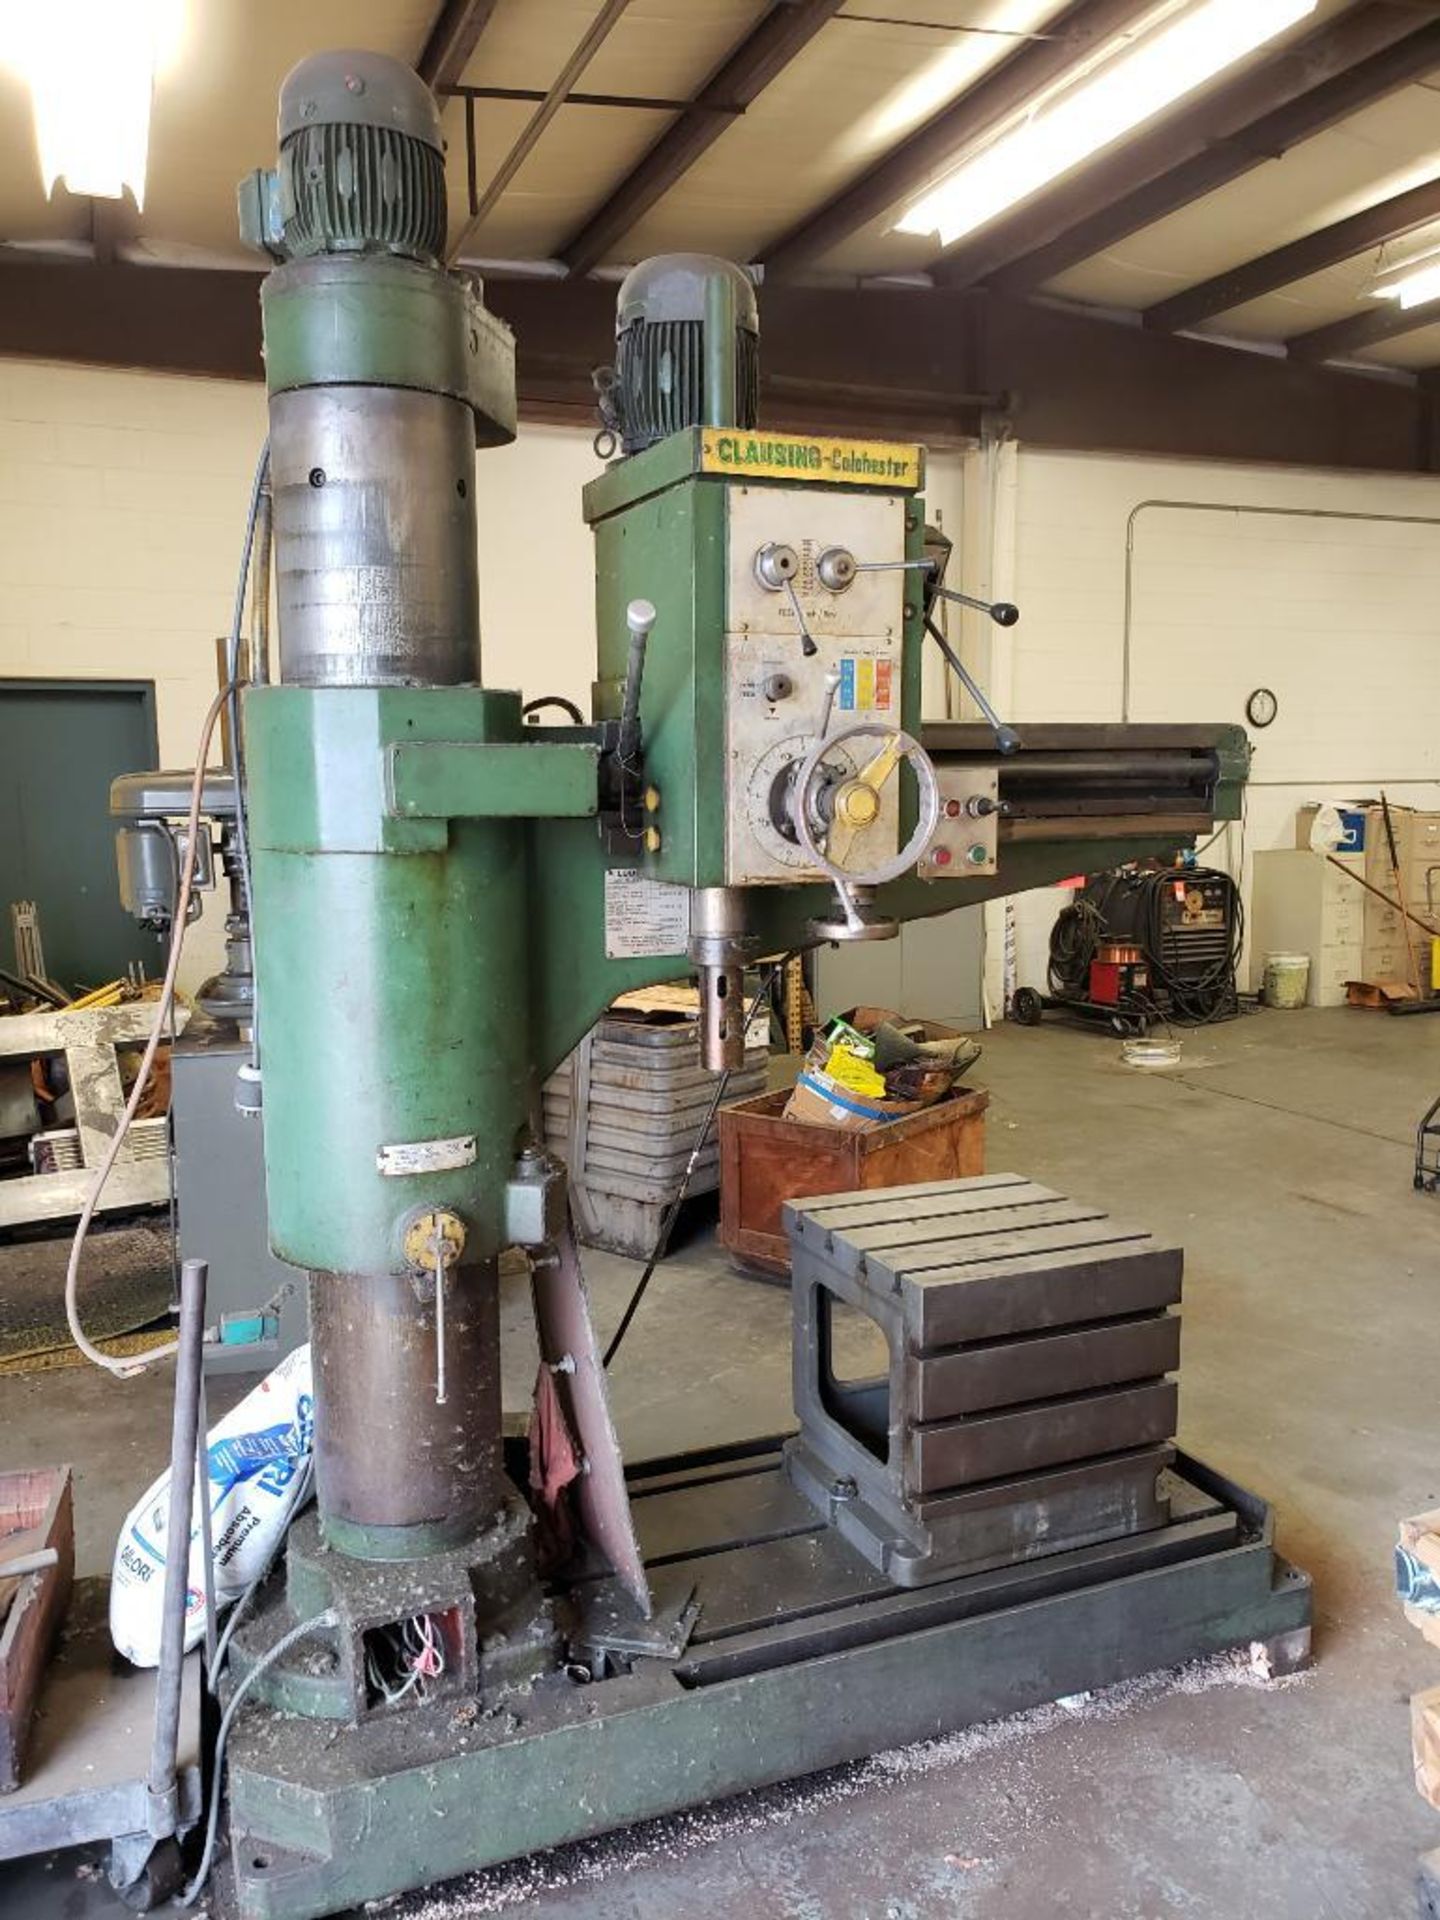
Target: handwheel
x=838 y=809
x=1027 y=1008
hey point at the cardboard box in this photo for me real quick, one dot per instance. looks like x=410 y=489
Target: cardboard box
x=1417 y=1573
x=824 y=1102
x=1377 y=993
x=1420 y=1538
x=1425 y=1742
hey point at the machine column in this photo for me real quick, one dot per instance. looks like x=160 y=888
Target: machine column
x=398 y=1472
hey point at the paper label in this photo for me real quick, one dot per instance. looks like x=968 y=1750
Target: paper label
x=644 y=919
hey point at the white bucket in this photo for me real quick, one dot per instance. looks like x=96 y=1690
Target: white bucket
x=1287 y=979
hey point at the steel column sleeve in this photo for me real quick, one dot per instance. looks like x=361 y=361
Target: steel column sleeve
x=398 y=1474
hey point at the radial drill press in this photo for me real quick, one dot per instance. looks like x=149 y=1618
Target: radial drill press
x=444 y=902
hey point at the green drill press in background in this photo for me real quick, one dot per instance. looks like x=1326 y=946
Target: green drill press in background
x=445 y=901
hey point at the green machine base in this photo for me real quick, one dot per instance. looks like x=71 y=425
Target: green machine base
x=774 y=1651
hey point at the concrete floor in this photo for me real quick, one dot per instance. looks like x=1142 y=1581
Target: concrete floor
x=1281 y=1156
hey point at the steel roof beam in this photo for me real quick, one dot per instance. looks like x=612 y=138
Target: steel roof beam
x=908 y=168
x=1354 y=59
x=785 y=31
x=1375 y=226
x=452 y=39
x=1339 y=339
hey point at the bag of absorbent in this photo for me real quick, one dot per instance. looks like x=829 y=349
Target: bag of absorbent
x=253 y=1461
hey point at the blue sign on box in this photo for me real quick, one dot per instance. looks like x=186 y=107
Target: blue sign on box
x=1353 y=838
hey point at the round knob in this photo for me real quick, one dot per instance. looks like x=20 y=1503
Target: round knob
x=775 y=564
x=778 y=686
x=836 y=568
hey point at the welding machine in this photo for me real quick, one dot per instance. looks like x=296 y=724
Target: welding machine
x=1141 y=944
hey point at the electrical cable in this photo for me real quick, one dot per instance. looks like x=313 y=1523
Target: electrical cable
x=667 y=1220
x=242 y=1605
x=321 y=1621
x=258 y=487
x=126 y=1369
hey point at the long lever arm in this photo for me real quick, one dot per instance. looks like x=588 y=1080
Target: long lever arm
x=1006 y=738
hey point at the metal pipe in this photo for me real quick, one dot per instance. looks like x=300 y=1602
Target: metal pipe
x=24 y=1563
x=718 y=945
x=1235 y=507
x=161 y=1792
x=258 y=669
x=589 y=45
x=719 y=408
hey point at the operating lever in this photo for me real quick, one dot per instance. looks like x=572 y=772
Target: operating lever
x=1003 y=612
x=639 y=618
x=1006 y=738
x=807 y=642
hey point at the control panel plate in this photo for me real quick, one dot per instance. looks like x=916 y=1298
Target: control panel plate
x=966 y=839
x=775 y=694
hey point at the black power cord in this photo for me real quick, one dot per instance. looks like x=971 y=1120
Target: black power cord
x=763 y=997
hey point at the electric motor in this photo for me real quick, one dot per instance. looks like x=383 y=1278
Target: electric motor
x=657 y=385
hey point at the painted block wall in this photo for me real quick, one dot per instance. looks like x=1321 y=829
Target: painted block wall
x=1324 y=587
x=122 y=502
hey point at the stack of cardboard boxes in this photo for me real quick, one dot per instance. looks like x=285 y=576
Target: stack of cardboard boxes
x=1387 y=953
x=1302 y=903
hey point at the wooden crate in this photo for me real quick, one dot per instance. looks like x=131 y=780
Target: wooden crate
x=766 y=1160
x=35 y=1511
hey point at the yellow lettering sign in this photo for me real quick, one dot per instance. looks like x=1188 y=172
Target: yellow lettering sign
x=855 y=463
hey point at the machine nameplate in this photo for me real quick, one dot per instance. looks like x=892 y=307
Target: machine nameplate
x=851 y=463
x=644 y=919
x=427 y=1156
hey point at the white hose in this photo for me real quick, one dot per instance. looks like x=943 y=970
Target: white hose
x=125 y=1369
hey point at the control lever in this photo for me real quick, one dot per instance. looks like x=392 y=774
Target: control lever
x=1003 y=612
x=639 y=618
x=807 y=642
x=1006 y=738
x=832 y=687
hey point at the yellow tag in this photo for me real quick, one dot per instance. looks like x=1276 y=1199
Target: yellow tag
x=848 y=1070
x=849 y=463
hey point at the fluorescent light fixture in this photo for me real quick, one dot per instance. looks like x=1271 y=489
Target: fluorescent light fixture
x=1139 y=80
x=1419 y=283
x=90 y=66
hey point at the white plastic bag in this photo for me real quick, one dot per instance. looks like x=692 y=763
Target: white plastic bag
x=254 y=1459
